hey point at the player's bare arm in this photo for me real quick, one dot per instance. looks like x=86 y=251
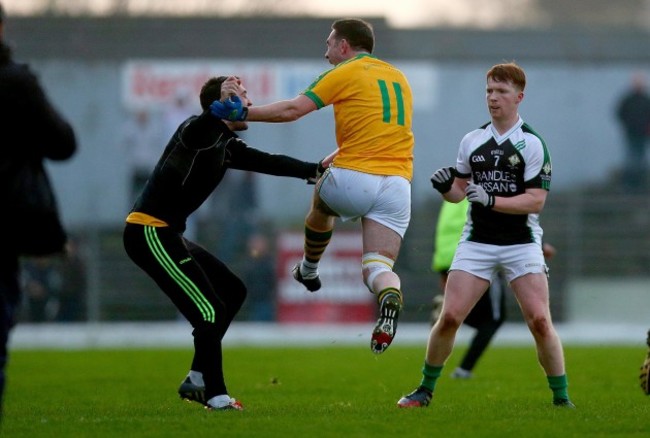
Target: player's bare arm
x=457 y=192
x=327 y=161
x=531 y=202
x=282 y=111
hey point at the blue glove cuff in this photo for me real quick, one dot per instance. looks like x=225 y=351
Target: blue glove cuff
x=231 y=109
x=243 y=114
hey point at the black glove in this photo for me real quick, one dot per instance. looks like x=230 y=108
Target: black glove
x=320 y=170
x=477 y=194
x=442 y=179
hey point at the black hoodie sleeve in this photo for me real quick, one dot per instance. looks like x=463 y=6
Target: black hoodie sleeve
x=243 y=157
x=33 y=119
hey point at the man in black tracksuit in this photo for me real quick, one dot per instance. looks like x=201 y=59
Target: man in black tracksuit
x=202 y=287
x=32 y=130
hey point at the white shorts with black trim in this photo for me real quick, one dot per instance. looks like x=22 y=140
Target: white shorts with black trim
x=352 y=195
x=484 y=260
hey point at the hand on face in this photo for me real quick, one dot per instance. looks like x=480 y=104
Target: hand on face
x=230 y=87
x=233 y=87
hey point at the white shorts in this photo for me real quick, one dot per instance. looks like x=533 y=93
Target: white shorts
x=352 y=195
x=484 y=261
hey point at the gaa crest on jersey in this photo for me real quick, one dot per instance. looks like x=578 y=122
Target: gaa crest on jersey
x=547 y=168
x=514 y=160
x=478 y=159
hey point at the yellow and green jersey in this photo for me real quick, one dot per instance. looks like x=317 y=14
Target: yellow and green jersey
x=373 y=108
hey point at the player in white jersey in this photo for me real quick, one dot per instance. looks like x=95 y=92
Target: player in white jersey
x=504 y=170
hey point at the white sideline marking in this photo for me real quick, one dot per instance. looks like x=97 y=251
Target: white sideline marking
x=179 y=334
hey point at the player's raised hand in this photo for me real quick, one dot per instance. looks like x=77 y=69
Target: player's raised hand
x=477 y=194
x=442 y=179
x=320 y=170
x=230 y=87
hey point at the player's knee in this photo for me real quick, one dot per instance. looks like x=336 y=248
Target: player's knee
x=204 y=329
x=540 y=326
x=207 y=331
x=449 y=321
x=374 y=264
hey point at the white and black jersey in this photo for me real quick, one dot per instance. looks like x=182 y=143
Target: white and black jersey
x=504 y=165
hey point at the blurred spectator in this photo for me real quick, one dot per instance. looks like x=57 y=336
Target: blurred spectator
x=258 y=272
x=142 y=140
x=242 y=204
x=633 y=112
x=40 y=283
x=176 y=112
x=72 y=290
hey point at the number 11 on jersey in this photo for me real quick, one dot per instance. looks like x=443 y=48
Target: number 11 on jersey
x=385 y=100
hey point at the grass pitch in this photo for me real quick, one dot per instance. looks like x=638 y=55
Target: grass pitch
x=321 y=392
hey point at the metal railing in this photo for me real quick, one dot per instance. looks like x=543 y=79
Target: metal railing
x=598 y=236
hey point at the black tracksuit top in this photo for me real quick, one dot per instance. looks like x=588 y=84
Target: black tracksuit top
x=195 y=161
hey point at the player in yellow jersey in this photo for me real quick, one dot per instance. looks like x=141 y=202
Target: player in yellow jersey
x=369 y=176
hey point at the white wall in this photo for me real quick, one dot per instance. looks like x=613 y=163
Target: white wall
x=571 y=106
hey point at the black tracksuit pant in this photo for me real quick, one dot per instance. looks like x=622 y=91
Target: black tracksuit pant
x=202 y=287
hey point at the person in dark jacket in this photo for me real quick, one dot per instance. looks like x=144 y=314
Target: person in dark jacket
x=205 y=291
x=32 y=130
x=633 y=113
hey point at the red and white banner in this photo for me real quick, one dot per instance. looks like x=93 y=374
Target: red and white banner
x=150 y=83
x=147 y=84
x=343 y=298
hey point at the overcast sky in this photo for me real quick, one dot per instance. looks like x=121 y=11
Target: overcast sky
x=399 y=13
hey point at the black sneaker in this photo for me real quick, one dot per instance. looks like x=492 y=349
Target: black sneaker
x=420 y=398
x=191 y=392
x=563 y=403
x=386 y=326
x=312 y=284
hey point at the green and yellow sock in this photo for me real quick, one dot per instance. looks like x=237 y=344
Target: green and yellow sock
x=389 y=291
x=315 y=243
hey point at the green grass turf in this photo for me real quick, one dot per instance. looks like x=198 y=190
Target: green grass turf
x=321 y=392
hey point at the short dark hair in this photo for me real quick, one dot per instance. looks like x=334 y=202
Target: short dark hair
x=357 y=32
x=2 y=14
x=211 y=91
x=508 y=72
